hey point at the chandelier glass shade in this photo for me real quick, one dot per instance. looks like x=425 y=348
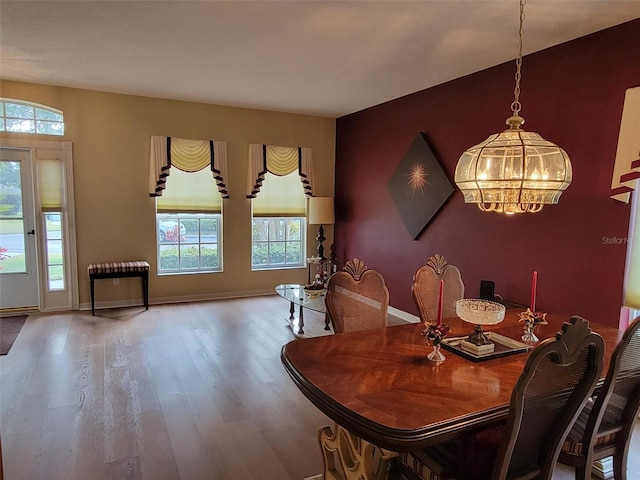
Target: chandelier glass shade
x=514 y=171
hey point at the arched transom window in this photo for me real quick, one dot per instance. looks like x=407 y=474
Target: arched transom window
x=27 y=117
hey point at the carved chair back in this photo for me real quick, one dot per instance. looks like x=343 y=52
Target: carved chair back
x=605 y=425
x=556 y=382
x=357 y=298
x=426 y=288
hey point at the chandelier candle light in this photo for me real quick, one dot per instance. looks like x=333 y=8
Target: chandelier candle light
x=514 y=171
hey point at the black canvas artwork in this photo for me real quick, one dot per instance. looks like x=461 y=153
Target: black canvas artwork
x=419 y=187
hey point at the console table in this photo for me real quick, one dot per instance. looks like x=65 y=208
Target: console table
x=137 y=268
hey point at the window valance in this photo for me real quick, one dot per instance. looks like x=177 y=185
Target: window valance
x=188 y=156
x=280 y=161
x=627 y=166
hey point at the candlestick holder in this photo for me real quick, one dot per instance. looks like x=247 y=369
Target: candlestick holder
x=434 y=333
x=436 y=355
x=531 y=321
x=529 y=335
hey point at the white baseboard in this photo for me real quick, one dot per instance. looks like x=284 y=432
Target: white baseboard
x=177 y=299
x=407 y=317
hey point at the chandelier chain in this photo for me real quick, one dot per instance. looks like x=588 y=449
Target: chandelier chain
x=516 y=106
x=514 y=171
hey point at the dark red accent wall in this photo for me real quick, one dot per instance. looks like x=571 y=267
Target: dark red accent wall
x=573 y=95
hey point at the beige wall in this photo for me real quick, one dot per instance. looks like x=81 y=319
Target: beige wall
x=116 y=217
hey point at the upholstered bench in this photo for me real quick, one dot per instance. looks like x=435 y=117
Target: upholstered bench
x=119 y=270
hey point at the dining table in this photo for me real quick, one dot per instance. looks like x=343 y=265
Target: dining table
x=379 y=384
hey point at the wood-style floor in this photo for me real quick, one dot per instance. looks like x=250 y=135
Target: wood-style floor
x=183 y=391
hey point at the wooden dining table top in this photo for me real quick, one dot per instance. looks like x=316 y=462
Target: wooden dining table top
x=379 y=384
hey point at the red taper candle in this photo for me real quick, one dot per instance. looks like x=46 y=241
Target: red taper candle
x=534 y=286
x=440 y=297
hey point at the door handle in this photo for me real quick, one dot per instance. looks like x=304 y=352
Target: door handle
x=32 y=232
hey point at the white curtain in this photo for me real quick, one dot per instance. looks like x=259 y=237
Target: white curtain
x=158 y=165
x=632 y=270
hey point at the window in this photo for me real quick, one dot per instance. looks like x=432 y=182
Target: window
x=54 y=251
x=27 y=117
x=277 y=242
x=279 y=180
x=625 y=185
x=50 y=181
x=189 y=223
x=188 y=242
x=188 y=204
x=13 y=216
x=278 y=223
x=632 y=271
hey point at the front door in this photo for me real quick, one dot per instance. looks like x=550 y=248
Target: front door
x=18 y=262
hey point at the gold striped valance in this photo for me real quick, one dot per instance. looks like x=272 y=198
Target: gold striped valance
x=280 y=161
x=189 y=156
x=626 y=170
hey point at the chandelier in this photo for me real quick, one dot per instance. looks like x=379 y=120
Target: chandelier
x=514 y=171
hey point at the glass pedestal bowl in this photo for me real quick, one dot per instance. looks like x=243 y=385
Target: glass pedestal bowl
x=479 y=312
x=314 y=291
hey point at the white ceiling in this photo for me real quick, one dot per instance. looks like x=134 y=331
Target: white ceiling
x=327 y=58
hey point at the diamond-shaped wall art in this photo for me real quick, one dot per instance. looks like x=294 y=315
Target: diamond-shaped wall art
x=419 y=187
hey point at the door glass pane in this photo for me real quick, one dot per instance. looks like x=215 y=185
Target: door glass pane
x=12 y=247
x=54 y=243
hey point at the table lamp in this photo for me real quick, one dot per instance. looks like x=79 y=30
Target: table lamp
x=320 y=211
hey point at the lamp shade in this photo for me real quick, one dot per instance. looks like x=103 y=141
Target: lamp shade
x=321 y=211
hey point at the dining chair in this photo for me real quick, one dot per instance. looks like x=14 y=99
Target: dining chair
x=556 y=382
x=356 y=298
x=606 y=423
x=426 y=288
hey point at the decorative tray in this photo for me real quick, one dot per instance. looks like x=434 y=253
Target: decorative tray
x=504 y=346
